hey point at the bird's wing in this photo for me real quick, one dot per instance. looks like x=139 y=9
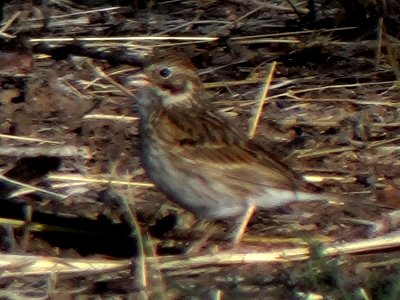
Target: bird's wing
x=237 y=164
x=222 y=151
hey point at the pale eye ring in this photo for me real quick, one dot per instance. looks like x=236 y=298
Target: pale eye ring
x=165 y=73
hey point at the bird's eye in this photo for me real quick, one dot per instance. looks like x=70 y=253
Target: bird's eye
x=165 y=73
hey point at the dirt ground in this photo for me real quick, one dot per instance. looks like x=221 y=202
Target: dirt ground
x=79 y=218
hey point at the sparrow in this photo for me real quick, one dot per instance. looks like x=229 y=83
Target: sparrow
x=198 y=157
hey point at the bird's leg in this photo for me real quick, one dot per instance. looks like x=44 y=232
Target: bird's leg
x=205 y=226
x=242 y=225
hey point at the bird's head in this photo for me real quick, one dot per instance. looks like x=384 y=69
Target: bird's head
x=169 y=82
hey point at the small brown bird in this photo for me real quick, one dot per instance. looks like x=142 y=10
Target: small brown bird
x=199 y=158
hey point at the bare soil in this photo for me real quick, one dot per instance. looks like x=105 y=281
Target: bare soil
x=79 y=217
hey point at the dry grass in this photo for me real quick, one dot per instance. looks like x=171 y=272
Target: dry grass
x=329 y=108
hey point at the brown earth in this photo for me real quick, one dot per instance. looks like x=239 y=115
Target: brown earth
x=73 y=187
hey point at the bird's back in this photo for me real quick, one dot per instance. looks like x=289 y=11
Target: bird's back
x=203 y=162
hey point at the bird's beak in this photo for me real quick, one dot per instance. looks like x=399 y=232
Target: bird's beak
x=137 y=80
